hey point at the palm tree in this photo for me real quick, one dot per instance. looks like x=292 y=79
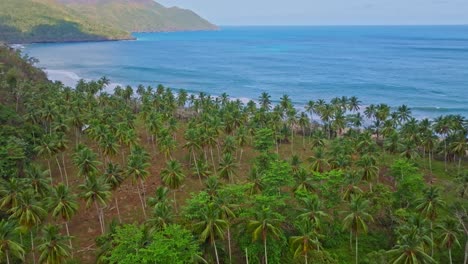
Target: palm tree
x=265 y=102
x=370 y=171
x=114 y=177
x=173 y=177
x=211 y=226
x=227 y=167
x=10 y=191
x=410 y=249
x=53 y=247
x=137 y=168
x=357 y=218
x=442 y=127
x=428 y=207
x=449 y=229
x=460 y=146
x=29 y=212
x=307 y=241
x=312 y=211
x=266 y=223
x=86 y=161
x=96 y=190
x=37 y=178
x=63 y=204
x=8 y=244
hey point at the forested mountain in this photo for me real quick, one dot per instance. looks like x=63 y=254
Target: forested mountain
x=24 y=21
x=149 y=175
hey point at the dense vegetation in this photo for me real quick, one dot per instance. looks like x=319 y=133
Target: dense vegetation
x=153 y=176
x=25 y=21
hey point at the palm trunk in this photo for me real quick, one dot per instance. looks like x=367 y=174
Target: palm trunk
x=7 y=256
x=141 y=200
x=430 y=163
x=117 y=207
x=305 y=258
x=356 y=248
x=50 y=171
x=69 y=237
x=265 y=248
x=216 y=251
x=32 y=247
x=229 y=244
x=450 y=255
x=65 y=169
x=432 y=240
x=196 y=166
x=445 y=154
x=240 y=156
x=246 y=256
x=351 y=239
x=60 y=169
x=175 y=202
x=99 y=216
x=212 y=158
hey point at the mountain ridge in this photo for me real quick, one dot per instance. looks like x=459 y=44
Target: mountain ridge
x=28 y=21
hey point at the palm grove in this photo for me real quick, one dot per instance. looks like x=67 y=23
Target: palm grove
x=152 y=176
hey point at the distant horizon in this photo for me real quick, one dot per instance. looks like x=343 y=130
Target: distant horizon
x=328 y=12
x=338 y=25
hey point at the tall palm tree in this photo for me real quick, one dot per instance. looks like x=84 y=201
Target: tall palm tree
x=10 y=191
x=312 y=211
x=137 y=168
x=429 y=206
x=307 y=241
x=449 y=230
x=410 y=249
x=114 y=177
x=227 y=167
x=38 y=179
x=370 y=171
x=53 y=247
x=357 y=218
x=173 y=177
x=96 y=191
x=265 y=223
x=211 y=226
x=63 y=204
x=8 y=244
x=29 y=212
x=86 y=161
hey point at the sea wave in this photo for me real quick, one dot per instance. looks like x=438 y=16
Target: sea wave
x=70 y=79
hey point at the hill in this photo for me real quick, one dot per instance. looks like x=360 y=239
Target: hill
x=138 y=15
x=27 y=21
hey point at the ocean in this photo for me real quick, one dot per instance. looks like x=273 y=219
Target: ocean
x=424 y=67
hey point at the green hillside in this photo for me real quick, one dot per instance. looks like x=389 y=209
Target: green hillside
x=32 y=21
x=26 y=21
x=138 y=15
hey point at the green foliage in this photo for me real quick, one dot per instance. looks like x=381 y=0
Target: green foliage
x=52 y=21
x=171 y=245
x=409 y=182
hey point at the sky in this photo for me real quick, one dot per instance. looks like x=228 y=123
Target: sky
x=327 y=12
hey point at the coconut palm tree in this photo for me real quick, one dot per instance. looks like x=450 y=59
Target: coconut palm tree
x=10 y=191
x=227 y=167
x=53 y=247
x=96 y=191
x=357 y=218
x=173 y=177
x=8 y=243
x=137 y=168
x=266 y=223
x=211 y=226
x=312 y=211
x=114 y=176
x=307 y=241
x=86 y=161
x=429 y=206
x=369 y=169
x=449 y=230
x=38 y=180
x=29 y=212
x=63 y=204
x=410 y=249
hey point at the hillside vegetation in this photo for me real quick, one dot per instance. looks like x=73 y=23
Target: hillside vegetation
x=25 y=21
x=149 y=175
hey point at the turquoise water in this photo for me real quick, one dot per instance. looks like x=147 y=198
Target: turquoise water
x=425 y=67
